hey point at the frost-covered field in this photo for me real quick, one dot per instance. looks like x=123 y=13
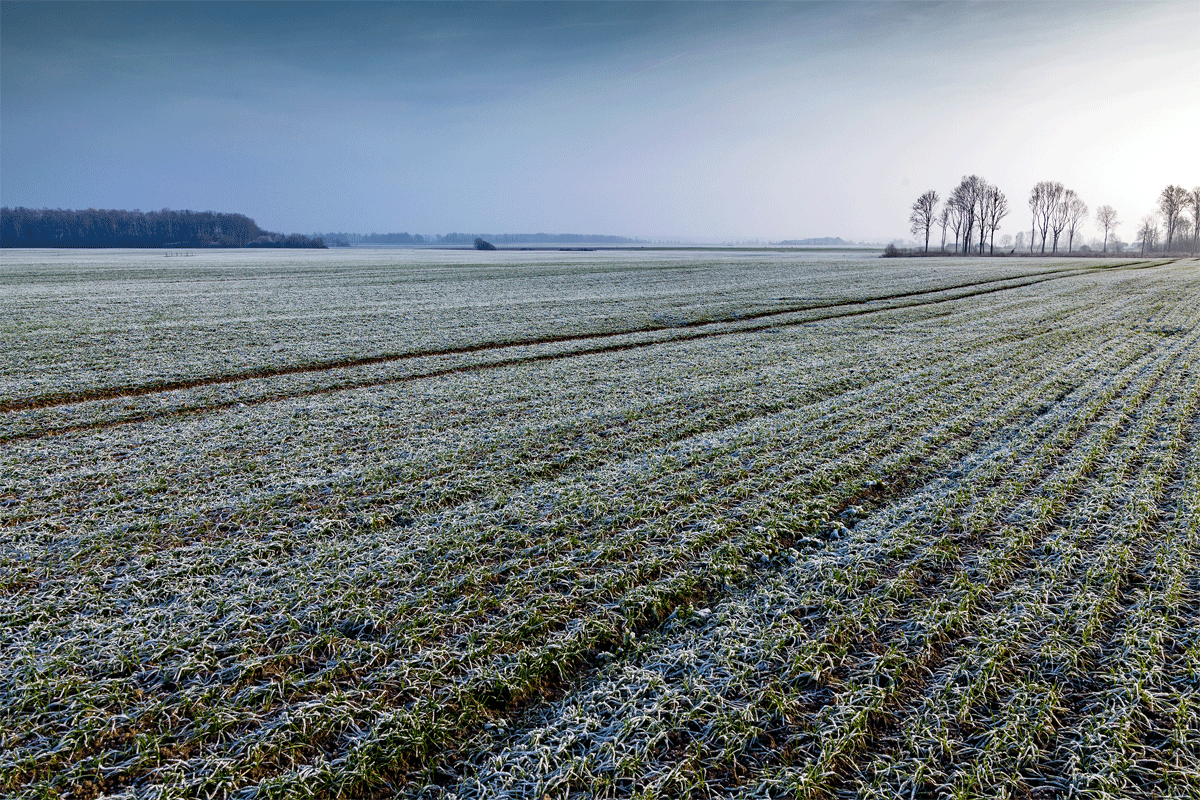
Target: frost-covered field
x=599 y=524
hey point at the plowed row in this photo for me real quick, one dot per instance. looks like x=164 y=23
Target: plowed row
x=944 y=548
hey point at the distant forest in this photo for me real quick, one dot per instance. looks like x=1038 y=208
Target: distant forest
x=468 y=239
x=45 y=227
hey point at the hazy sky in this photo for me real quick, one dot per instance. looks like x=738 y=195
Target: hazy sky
x=701 y=121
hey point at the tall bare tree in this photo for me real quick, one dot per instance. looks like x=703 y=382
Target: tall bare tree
x=997 y=209
x=1076 y=211
x=1148 y=232
x=1059 y=215
x=1106 y=219
x=1035 y=205
x=967 y=198
x=956 y=222
x=1046 y=200
x=1194 y=203
x=1183 y=230
x=1170 y=205
x=979 y=190
x=944 y=222
x=923 y=215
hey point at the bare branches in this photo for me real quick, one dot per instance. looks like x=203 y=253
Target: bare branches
x=995 y=209
x=1193 y=201
x=1076 y=210
x=974 y=209
x=1170 y=205
x=968 y=199
x=923 y=215
x=1106 y=220
x=1044 y=200
x=1148 y=233
x=1059 y=215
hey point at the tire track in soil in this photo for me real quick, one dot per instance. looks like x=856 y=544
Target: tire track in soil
x=880 y=397
x=131 y=391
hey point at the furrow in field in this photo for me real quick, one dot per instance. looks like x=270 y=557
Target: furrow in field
x=421 y=602
x=257 y=386
x=1127 y=709
x=844 y=380
x=134 y=390
x=179 y=401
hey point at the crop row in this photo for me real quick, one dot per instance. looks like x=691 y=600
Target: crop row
x=408 y=576
x=956 y=642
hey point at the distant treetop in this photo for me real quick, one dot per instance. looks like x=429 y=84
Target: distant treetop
x=46 y=227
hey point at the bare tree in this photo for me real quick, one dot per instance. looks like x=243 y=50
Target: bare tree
x=1170 y=205
x=1059 y=215
x=956 y=222
x=923 y=215
x=944 y=221
x=1035 y=205
x=1045 y=200
x=964 y=205
x=1183 y=230
x=1076 y=211
x=1148 y=232
x=1106 y=219
x=967 y=197
x=997 y=209
x=1194 y=201
x=981 y=192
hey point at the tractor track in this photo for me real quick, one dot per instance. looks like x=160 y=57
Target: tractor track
x=694 y=332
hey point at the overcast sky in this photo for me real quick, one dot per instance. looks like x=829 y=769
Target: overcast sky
x=679 y=120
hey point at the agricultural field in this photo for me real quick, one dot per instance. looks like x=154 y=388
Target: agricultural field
x=598 y=524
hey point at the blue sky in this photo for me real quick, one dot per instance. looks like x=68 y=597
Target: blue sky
x=705 y=121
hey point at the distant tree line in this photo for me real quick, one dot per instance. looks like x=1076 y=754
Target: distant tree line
x=45 y=227
x=973 y=212
x=468 y=239
x=375 y=238
x=831 y=241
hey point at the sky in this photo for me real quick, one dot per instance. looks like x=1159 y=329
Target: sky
x=688 y=121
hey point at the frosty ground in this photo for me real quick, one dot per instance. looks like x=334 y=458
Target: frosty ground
x=652 y=524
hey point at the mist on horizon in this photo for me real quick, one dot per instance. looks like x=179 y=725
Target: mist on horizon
x=708 y=122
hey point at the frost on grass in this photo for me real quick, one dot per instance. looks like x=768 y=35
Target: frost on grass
x=942 y=545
